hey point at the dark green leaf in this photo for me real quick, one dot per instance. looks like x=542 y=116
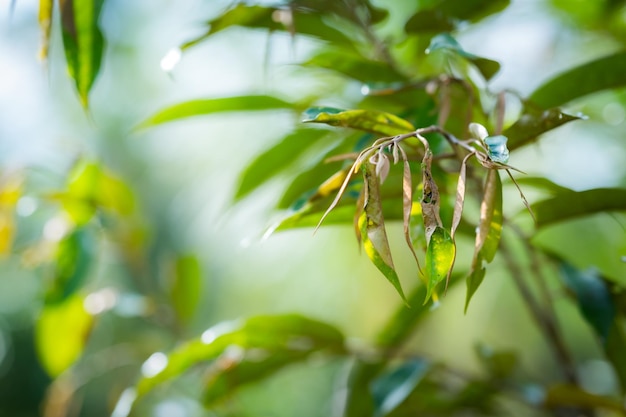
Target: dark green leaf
x=72 y=261
x=444 y=41
x=615 y=347
x=542 y=184
x=274 y=19
x=440 y=256
x=533 y=123
x=474 y=279
x=215 y=105
x=391 y=389
x=563 y=395
x=358 y=12
x=274 y=334
x=446 y=15
x=570 y=205
x=83 y=42
x=355 y=66
x=277 y=158
x=593 y=296
x=377 y=122
x=601 y=74
x=187 y=286
x=372 y=227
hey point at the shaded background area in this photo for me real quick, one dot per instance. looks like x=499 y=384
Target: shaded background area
x=183 y=176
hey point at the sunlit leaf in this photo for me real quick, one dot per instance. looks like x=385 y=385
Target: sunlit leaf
x=61 y=333
x=10 y=192
x=593 y=297
x=444 y=41
x=570 y=205
x=202 y=107
x=564 y=395
x=488 y=234
x=278 y=157
x=440 y=256
x=274 y=19
x=355 y=66
x=373 y=233
x=274 y=334
x=391 y=389
x=73 y=259
x=445 y=15
x=187 y=286
x=601 y=74
x=533 y=123
x=378 y=122
x=83 y=42
x=45 y=24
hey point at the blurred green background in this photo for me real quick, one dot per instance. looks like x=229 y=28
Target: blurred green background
x=183 y=177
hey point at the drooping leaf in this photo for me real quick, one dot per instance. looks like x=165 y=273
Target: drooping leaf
x=445 y=15
x=614 y=348
x=355 y=66
x=377 y=122
x=278 y=157
x=565 y=395
x=392 y=388
x=203 y=107
x=61 y=334
x=372 y=226
x=460 y=197
x=601 y=74
x=542 y=184
x=487 y=67
x=488 y=234
x=533 y=123
x=83 y=42
x=186 y=287
x=570 y=205
x=273 y=334
x=73 y=259
x=593 y=297
x=45 y=24
x=407 y=203
x=440 y=256
x=430 y=197
x=274 y=19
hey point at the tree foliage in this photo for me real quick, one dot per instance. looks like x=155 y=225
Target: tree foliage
x=426 y=142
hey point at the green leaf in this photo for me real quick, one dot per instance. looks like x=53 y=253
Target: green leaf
x=236 y=368
x=83 y=42
x=440 y=256
x=203 y=107
x=61 y=333
x=356 y=12
x=593 y=297
x=372 y=227
x=446 y=15
x=564 y=395
x=273 y=334
x=277 y=158
x=444 y=41
x=602 y=74
x=377 y=122
x=187 y=286
x=542 y=184
x=533 y=123
x=45 y=24
x=355 y=66
x=391 y=389
x=615 y=347
x=570 y=205
x=73 y=259
x=274 y=19
x=496 y=148
x=488 y=234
